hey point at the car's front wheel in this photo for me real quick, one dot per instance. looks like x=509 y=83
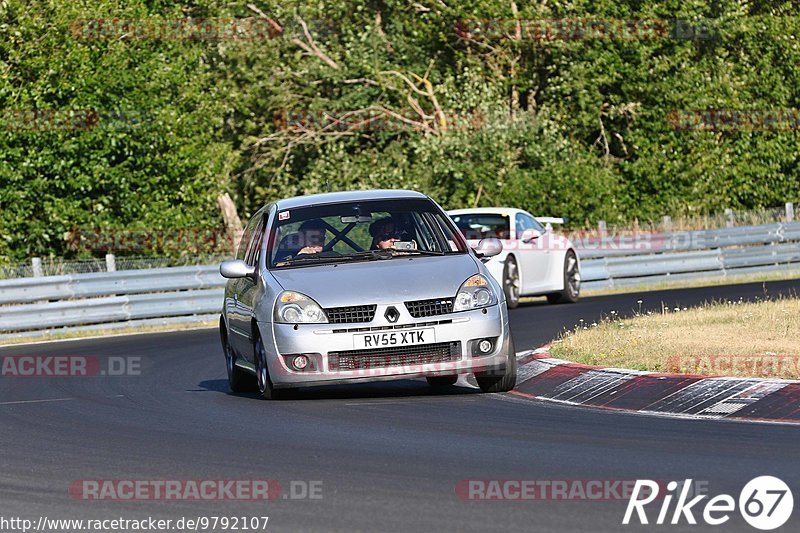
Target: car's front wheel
x=572 y=282
x=238 y=379
x=511 y=282
x=265 y=386
x=505 y=382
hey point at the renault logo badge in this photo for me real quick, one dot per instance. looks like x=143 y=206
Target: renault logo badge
x=392 y=314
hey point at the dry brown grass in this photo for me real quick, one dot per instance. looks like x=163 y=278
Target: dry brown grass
x=759 y=339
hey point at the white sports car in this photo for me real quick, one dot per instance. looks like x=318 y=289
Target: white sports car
x=535 y=261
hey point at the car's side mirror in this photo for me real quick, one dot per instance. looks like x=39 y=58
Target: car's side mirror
x=236 y=269
x=488 y=247
x=531 y=235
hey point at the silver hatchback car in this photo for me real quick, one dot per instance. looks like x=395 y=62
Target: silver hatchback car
x=361 y=286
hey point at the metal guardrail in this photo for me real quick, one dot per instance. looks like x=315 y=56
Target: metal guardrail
x=77 y=300
x=25 y=290
x=691 y=254
x=102 y=297
x=681 y=241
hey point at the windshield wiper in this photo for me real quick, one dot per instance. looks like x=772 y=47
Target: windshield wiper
x=389 y=253
x=372 y=254
x=316 y=257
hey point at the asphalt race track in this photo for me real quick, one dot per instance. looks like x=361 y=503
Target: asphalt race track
x=388 y=456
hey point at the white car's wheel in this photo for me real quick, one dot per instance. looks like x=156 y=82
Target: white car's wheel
x=511 y=282
x=572 y=282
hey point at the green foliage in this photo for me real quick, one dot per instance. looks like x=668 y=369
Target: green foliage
x=576 y=128
x=152 y=159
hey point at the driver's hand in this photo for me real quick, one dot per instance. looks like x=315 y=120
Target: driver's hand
x=310 y=250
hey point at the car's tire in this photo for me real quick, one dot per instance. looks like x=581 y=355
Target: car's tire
x=238 y=379
x=511 y=282
x=572 y=282
x=265 y=387
x=505 y=382
x=439 y=382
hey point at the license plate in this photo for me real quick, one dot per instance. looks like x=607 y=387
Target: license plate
x=384 y=339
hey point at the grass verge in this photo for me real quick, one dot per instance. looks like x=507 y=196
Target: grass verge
x=758 y=339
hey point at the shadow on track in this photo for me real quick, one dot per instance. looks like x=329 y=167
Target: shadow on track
x=406 y=388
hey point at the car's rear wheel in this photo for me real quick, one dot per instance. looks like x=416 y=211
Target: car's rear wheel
x=238 y=379
x=502 y=383
x=572 y=282
x=438 y=382
x=265 y=387
x=511 y=282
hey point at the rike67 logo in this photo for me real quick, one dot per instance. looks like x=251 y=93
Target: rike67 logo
x=765 y=503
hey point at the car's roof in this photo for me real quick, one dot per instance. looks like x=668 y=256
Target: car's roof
x=486 y=211
x=346 y=196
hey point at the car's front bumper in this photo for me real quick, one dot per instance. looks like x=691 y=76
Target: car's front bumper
x=320 y=341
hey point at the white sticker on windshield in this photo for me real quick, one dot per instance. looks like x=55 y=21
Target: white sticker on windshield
x=284 y=215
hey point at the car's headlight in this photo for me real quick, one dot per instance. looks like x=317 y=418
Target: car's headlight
x=474 y=294
x=296 y=308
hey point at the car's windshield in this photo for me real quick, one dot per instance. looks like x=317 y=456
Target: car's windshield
x=476 y=226
x=359 y=231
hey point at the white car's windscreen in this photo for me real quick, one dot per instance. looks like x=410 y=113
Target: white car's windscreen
x=476 y=226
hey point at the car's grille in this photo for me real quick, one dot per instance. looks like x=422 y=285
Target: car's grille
x=398 y=326
x=350 y=315
x=436 y=306
x=394 y=356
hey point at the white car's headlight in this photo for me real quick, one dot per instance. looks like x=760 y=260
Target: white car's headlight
x=295 y=308
x=474 y=294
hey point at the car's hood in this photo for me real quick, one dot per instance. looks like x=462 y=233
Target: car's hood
x=380 y=282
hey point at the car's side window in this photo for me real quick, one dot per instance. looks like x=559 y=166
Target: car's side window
x=247 y=235
x=254 y=247
x=520 y=226
x=526 y=222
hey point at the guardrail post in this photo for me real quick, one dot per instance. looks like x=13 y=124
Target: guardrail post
x=111 y=263
x=729 y=218
x=789 y=212
x=36 y=263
